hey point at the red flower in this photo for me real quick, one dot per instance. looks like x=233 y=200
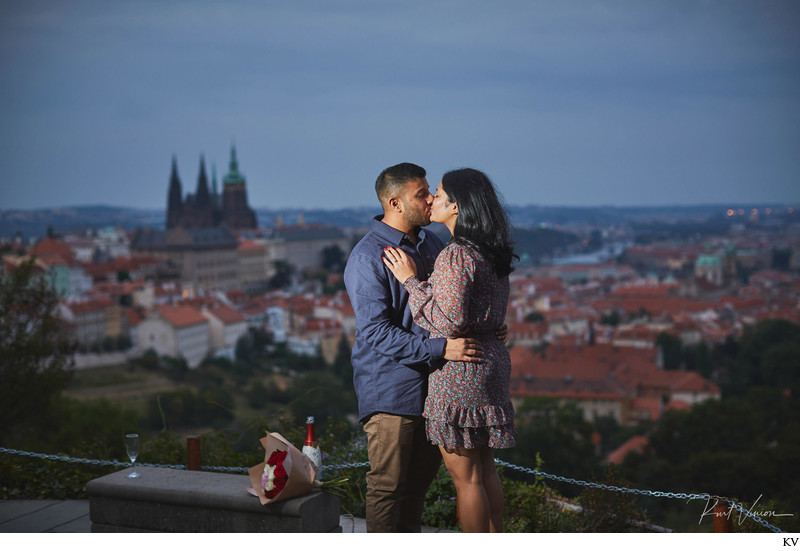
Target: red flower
x=275 y=477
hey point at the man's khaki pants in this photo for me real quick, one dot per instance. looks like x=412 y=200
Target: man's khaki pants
x=402 y=466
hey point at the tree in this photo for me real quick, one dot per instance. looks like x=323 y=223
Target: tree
x=611 y=318
x=768 y=355
x=671 y=350
x=559 y=434
x=35 y=349
x=283 y=275
x=333 y=259
x=534 y=317
x=321 y=394
x=342 y=366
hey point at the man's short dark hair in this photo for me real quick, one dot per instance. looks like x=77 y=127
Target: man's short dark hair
x=391 y=181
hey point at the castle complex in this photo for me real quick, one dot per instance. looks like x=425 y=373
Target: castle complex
x=200 y=239
x=207 y=208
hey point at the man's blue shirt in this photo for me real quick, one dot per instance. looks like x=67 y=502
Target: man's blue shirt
x=392 y=355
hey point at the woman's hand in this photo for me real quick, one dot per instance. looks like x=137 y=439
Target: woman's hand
x=399 y=263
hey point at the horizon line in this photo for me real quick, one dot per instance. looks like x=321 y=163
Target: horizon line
x=741 y=204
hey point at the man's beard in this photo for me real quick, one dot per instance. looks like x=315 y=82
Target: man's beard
x=415 y=217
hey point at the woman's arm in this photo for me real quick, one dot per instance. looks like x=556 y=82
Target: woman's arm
x=441 y=305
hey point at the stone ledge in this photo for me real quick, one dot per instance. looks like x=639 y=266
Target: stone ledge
x=170 y=500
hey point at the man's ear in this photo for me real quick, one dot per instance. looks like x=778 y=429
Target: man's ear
x=395 y=204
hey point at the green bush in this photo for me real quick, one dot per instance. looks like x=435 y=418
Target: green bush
x=191 y=409
x=440 y=503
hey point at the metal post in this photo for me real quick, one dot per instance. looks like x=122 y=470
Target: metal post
x=193 y=453
x=723 y=523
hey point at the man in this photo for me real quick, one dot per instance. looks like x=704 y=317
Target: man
x=392 y=356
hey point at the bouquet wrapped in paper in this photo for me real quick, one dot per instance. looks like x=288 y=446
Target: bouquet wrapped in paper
x=285 y=472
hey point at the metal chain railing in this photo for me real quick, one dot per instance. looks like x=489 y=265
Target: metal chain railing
x=534 y=472
x=651 y=493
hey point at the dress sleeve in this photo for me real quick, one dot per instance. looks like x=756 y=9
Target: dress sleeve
x=441 y=304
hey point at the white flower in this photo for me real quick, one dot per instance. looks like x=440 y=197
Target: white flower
x=269 y=477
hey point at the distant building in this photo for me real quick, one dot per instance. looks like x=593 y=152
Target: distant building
x=67 y=277
x=207 y=208
x=606 y=380
x=709 y=268
x=89 y=320
x=205 y=257
x=178 y=332
x=304 y=244
x=255 y=269
x=226 y=327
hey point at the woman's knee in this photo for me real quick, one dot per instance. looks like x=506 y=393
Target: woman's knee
x=464 y=469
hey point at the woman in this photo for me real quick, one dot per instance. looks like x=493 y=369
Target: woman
x=468 y=411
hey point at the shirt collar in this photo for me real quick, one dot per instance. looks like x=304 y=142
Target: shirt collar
x=393 y=235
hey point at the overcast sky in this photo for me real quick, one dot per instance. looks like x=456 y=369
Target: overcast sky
x=560 y=102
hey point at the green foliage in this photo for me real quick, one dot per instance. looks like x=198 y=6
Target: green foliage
x=342 y=366
x=350 y=452
x=259 y=394
x=535 y=508
x=35 y=350
x=333 y=259
x=440 y=502
x=768 y=355
x=149 y=360
x=610 y=318
x=671 y=350
x=741 y=448
x=534 y=317
x=188 y=408
x=282 y=276
x=311 y=395
x=694 y=357
x=33 y=478
x=245 y=348
x=281 y=356
x=610 y=511
x=559 y=433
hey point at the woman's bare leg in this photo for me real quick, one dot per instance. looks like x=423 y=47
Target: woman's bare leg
x=494 y=490
x=466 y=470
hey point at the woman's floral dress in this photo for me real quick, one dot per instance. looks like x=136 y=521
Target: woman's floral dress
x=468 y=404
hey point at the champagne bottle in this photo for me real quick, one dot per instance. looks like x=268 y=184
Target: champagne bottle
x=311 y=448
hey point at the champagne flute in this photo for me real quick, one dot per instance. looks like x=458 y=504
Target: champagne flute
x=132 y=447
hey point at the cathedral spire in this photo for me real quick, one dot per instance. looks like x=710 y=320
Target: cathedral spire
x=235 y=211
x=233 y=175
x=202 y=197
x=214 y=190
x=174 y=197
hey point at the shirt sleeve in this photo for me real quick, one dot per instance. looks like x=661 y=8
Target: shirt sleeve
x=377 y=321
x=441 y=305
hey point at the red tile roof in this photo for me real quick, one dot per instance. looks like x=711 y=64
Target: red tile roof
x=134 y=316
x=647 y=289
x=86 y=306
x=53 y=251
x=631 y=371
x=634 y=444
x=250 y=246
x=181 y=316
x=226 y=314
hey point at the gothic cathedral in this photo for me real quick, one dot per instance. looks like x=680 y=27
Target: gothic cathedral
x=209 y=209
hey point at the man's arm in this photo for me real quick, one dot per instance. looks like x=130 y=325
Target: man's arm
x=370 y=294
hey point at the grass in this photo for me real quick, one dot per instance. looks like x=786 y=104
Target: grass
x=126 y=385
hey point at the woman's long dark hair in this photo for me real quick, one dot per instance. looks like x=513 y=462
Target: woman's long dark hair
x=482 y=221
